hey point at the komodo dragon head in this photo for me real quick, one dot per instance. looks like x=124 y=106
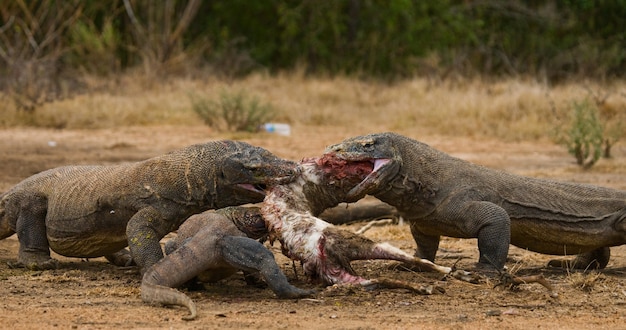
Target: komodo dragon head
x=250 y=170
x=249 y=220
x=377 y=149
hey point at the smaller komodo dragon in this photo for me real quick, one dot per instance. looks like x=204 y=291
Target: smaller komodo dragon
x=440 y=195
x=212 y=246
x=92 y=211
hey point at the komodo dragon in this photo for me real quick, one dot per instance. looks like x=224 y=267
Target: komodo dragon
x=92 y=211
x=211 y=246
x=440 y=195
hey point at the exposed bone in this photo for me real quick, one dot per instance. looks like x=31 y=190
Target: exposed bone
x=371 y=224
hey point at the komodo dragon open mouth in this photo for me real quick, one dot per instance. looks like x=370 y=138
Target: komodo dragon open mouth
x=377 y=169
x=261 y=187
x=257 y=188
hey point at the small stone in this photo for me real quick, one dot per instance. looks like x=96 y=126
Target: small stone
x=493 y=312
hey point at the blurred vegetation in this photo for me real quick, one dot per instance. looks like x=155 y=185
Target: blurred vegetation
x=371 y=38
x=585 y=135
x=234 y=111
x=591 y=126
x=51 y=49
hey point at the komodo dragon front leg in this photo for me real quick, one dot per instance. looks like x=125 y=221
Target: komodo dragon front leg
x=212 y=246
x=486 y=221
x=144 y=231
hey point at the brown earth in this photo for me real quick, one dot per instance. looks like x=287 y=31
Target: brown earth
x=92 y=294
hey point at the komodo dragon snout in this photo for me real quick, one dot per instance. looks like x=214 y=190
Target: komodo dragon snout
x=381 y=153
x=253 y=172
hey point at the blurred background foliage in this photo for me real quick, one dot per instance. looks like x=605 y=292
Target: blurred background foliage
x=45 y=43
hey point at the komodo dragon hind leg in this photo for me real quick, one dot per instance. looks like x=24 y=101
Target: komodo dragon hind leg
x=249 y=255
x=121 y=258
x=596 y=259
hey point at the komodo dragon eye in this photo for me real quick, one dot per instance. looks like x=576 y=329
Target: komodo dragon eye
x=369 y=144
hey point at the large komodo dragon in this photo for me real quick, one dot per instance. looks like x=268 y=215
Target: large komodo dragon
x=212 y=246
x=93 y=211
x=440 y=195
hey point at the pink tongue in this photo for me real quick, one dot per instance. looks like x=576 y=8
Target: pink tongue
x=378 y=163
x=248 y=186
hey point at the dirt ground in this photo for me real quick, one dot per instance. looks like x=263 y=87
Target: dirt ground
x=92 y=294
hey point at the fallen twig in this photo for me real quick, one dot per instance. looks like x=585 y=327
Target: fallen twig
x=512 y=281
x=372 y=224
x=396 y=284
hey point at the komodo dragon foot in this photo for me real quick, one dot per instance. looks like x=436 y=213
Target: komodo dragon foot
x=596 y=259
x=34 y=261
x=121 y=258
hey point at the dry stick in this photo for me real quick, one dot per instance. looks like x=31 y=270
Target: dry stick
x=396 y=284
x=372 y=224
x=513 y=281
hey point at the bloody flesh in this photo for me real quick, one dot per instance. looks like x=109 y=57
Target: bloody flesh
x=335 y=168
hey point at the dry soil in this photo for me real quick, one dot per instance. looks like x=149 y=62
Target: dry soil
x=92 y=294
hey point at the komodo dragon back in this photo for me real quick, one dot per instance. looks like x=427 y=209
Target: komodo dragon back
x=195 y=176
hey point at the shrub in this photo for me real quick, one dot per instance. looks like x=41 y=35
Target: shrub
x=585 y=137
x=234 y=111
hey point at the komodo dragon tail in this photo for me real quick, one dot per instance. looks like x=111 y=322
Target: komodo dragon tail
x=152 y=293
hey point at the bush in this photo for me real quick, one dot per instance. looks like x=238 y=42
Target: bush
x=234 y=111
x=585 y=136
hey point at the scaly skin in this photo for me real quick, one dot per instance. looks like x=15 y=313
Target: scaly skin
x=440 y=195
x=211 y=246
x=92 y=211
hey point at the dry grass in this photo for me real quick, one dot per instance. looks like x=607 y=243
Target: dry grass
x=585 y=281
x=511 y=110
